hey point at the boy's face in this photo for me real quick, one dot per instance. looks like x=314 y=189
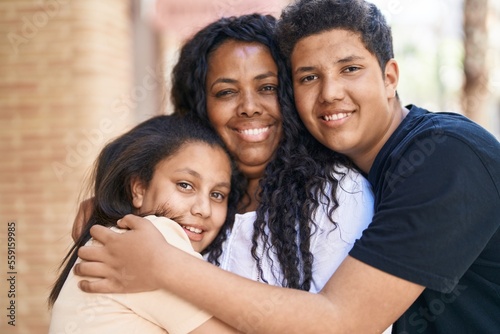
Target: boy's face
x=342 y=96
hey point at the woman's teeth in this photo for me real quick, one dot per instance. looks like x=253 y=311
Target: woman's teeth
x=254 y=132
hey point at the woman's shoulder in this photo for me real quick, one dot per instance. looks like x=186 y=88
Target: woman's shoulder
x=350 y=180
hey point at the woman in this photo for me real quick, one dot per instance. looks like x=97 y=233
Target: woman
x=239 y=84
x=299 y=225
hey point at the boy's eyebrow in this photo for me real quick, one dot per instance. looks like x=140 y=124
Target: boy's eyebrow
x=347 y=59
x=303 y=69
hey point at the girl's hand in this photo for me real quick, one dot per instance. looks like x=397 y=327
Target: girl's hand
x=126 y=261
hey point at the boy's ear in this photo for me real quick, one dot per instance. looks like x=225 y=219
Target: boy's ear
x=138 y=190
x=391 y=78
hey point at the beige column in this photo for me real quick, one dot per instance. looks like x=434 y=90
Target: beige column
x=65 y=90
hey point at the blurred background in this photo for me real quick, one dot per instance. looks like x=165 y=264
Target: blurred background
x=74 y=74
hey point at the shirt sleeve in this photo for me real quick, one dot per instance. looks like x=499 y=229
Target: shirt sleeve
x=163 y=308
x=433 y=217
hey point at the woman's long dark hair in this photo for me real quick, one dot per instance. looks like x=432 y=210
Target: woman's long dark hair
x=136 y=154
x=298 y=177
x=303 y=175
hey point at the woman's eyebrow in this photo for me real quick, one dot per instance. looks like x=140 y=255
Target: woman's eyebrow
x=266 y=75
x=223 y=80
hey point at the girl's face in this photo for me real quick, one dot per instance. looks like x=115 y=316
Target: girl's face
x=242 y=103
x=193 y=185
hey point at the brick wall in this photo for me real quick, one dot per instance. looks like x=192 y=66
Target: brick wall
x=65 y=89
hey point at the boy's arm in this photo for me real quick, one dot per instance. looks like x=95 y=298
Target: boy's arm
x=358 y=297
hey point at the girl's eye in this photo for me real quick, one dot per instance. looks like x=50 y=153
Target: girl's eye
x=185 y=185
x=218 y=196
x=308 y=78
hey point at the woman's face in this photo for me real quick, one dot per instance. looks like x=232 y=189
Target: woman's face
x=192 y=186
x=242 y=103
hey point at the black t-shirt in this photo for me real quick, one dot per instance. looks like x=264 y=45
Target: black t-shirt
x=437 y=216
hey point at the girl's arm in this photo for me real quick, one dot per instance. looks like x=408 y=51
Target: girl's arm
x=357 y=298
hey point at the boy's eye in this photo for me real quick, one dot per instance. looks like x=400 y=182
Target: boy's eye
x=351 y=69
x=308 y=78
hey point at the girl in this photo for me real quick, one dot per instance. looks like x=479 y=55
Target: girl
x=166 y=166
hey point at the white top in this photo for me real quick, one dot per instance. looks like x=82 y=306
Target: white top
x=329 y=246
x=147 y=312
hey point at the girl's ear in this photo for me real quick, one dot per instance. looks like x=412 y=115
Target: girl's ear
x=138 y=190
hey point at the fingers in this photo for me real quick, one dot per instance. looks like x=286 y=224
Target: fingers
x=102 y=234
x=132 y=222
x=105 y=279
x=92 y=269
x=99 y=286
x=92 y=253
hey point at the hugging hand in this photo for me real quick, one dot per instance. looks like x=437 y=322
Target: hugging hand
x=126 y=261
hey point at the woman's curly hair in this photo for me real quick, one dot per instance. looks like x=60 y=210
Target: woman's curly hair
x=302 y=169
x=303 y=175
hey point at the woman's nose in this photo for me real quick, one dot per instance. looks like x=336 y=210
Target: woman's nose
x=249 y=104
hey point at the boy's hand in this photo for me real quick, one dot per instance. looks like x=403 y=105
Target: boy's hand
x=126 y=261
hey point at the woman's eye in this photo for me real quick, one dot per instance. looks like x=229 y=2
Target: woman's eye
x=269 y=88
x=224 y=93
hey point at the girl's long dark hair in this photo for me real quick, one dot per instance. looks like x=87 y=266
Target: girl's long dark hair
x=136 y=155
x=302 y=173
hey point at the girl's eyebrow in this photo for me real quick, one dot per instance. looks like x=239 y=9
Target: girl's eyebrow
x=189 y=171
x=198 y=176
x=224 y=185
